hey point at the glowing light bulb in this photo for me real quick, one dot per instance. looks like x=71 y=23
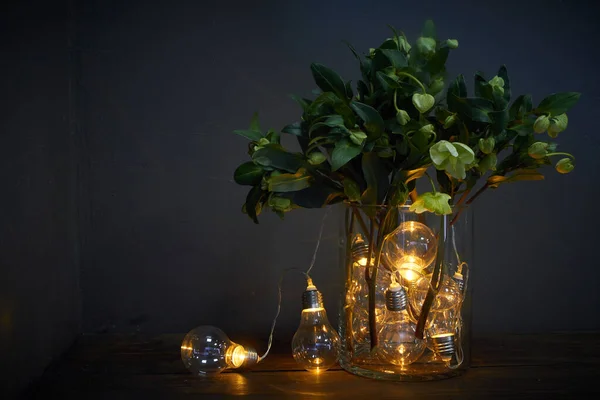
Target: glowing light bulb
x=316 y=344
x=206 y=350
x=360 y=315
x=443 y=318
x=411 y=246
x=398 y=343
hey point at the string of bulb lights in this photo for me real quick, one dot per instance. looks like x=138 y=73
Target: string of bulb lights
x=407 y=255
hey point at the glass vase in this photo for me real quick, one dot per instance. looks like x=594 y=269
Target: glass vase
x=406 y=306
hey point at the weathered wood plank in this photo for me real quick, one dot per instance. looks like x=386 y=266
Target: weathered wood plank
x=515 y=366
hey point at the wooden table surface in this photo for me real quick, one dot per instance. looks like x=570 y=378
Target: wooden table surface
x=508 y=366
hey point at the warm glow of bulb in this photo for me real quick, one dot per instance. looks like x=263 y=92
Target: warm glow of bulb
x=238 y=356
x=362 y=262
x=306 y=310
x=442 y=335
x=186 y=348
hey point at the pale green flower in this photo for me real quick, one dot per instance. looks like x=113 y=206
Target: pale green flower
x=451 y=157
x=433 y=202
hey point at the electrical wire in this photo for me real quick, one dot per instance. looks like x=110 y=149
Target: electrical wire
x=280 y=284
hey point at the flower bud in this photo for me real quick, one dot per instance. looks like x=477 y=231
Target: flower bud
x=449 y=121
x=452 y=43
x=426 y=46
x=402 y=117
x=436 y=86
x=423 y=102
x=487 y=145
x=316 y=158
x=497 y=84
x=564 y=166
x=358 y=137
x=402 y=43
x=429 y=128
x=557 y=125
x=538 y=150
x=541 y=124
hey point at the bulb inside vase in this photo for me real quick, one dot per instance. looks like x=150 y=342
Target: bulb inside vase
x=411 y=246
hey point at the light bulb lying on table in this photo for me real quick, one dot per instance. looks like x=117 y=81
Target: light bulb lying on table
x=316 y=344
x=206 y=350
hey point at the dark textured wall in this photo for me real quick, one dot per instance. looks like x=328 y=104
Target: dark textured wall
x=40 y=310
x=165 y=83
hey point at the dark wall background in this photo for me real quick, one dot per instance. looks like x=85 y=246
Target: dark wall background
x=163 y=86
x=40 y=302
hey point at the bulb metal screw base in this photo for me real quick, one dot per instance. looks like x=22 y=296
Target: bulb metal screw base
x=396 y=300
x=444 y=346
x=359 y=250
x=312 y=299
x=251 y=358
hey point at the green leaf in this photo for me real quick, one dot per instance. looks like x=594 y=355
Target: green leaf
x=351 y=190
x=253 y=203
x=457 y=90
x=433 y=202
x=331 y=121
x=398 y=194
x=387 y=82
x=316 y=196
x=475 y=108
x=275 y=156
x=376 y=177
x=503 y=73
x=482 y=87
x=396 y=57
x=273 y=136
x=437 y=63
x=290 y=182
x=520 y=107
x=328 y=80
x=372 y=120
x=248 y=174
x=343 y=152
x=304 y=103
x=254 y=126
x=558 y=103
x=248 y=134
x=293 y=129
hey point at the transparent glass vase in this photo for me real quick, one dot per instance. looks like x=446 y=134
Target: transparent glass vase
x=408 y=318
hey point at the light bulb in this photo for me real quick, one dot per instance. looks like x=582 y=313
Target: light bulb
x=398 y=343
x=443 y=318
x=316 y=344
x=360 y=315
x=412 y=245
x=206 y=350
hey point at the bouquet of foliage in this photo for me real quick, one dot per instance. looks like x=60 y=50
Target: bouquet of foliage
x=369 y=145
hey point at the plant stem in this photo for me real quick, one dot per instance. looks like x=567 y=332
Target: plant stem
x=459 y=206
x=479 y=192
x=436 y=280
x=360 y=219
x=560 y=154
x=413 y=78
x=372 y=281
x=395 y=102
